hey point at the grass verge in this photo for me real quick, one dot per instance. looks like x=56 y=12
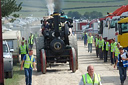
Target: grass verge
x=18 y=75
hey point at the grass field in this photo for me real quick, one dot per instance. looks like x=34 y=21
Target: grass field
x=38 y=7
x=93 y=0
x=104 y=11
x=17 y=76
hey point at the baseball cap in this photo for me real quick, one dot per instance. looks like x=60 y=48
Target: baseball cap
x=121 y=48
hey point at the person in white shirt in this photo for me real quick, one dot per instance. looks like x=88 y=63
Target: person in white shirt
x=122 y=64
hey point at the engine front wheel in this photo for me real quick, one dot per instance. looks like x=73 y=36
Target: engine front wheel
x=73 y=59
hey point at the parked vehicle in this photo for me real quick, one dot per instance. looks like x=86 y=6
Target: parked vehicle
x=123 y=32
x=8 y=60
x=109 y=24
x=13 y=39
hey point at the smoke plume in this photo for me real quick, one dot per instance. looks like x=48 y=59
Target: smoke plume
x=54 y=5
x=58 y=5
x=50 y=5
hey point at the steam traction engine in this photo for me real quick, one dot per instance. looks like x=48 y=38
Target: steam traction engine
x=57 y=44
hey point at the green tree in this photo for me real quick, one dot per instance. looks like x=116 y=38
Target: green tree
x=100 y=14
x=93 y=14
x=75 y=14
x=87 y=14
x=69 y=14
x=10 y=6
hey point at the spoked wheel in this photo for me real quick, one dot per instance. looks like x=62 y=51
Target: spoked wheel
x=73 y=43
x=43 y=61
x=73 y=59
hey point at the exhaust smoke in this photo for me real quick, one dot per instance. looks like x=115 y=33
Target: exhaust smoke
x=50 y=5
x=58 y=5
x=54 y=6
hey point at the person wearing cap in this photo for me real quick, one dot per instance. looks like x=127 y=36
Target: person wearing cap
x=122 y=64
x=105 y=49
x=90 y=78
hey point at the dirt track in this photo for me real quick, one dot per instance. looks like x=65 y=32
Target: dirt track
x=61 y=75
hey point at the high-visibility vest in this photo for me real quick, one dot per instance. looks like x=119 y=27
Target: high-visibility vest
x=103 y=47
x=23 y=41
x=87 y=34
x=88 y=81
x=28 y=62
x=112 y=47
x=90 y=39
x=27 y=46
x=23 y=49
x=125 y=62
x=101 y=43
x=97 y=41
x=32 y=36
x=117 y=52
x=107 y=46
x=30 y=41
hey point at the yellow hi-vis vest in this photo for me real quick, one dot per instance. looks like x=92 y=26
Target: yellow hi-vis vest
x=101 y=43
x=107 y=46
x=87 y=34
x=32 y=36
x=97 y=41
x=30 y=41
x=88 y=81
x=28 y=62
x=23 y=49
x=23 y=41
x=113 y=45
x=27 y=46
x=117 y=52
x=90 y=39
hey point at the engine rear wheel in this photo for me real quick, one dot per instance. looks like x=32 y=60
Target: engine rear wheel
x=39 y=46
x=73 y=59
x=43 y=61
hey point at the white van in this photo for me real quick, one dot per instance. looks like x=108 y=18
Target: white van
x=13 y=39
x=8 y=60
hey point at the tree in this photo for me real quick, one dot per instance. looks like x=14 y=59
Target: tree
x=69 y=14
x=75 y=14
x=87 y=14
x=9 y=6
x=93 y=14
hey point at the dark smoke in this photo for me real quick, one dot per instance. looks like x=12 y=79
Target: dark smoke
x=58 y=5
